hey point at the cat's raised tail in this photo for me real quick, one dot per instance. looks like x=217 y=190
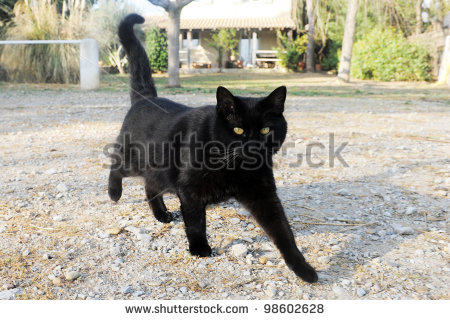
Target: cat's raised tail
x=141 y=81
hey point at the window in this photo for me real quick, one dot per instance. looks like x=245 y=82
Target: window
x=195 y=42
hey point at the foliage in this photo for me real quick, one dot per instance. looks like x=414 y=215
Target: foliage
x=224 y=41
x=6 y=14
x=40 y=20
x=332 y=54
x=291 y=52
x=388 y=56
x=156 y=42
x=106 y=18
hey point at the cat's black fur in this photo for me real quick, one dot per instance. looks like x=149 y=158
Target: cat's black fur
x=154 y=121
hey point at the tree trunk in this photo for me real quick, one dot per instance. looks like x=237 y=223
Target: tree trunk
x=310 y=46
x=173 y=34
x=173 y=8
x=419 y=22
x=347 y=43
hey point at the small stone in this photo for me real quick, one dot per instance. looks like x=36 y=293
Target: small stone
x=346 y=282
x=402 y=230
x=103 y=235
x=126 y=289
x=270 y=292
x=343 y=192
x=411 y=210
x=138 y=293
x=341 y=293
x=10 y=294
x=25 y=253
x=243 y=212
x=262 y=260
x=58 y=218
x=50 y=171
x=324 y=259
x=421 y=289
x=135 y=230
x=361 y=292
x=235 y=220
x=72 y=275
x=336 y=248
x=57 y=282
x=239 y=250
x=442 y=193
x=46 y=256
x=419 y=252
x=281 y=293
x=114 y=231
x=183 y=290
x=170 y=289
x=61 y=187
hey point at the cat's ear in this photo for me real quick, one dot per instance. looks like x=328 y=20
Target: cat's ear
x=275 y=101
x=226 y=104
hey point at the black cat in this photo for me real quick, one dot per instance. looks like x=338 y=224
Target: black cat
x=204 y=155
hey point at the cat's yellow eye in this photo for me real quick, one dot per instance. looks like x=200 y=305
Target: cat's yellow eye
x=265 y=130
x=238 y=130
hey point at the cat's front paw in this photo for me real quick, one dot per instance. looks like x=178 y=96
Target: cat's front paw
x=200 y=250
x=115 y=192
x=306 y=272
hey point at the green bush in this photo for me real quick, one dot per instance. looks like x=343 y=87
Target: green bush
x=40 y=20
x=225 y=42
x=386 y=55
x=156 y=42
x=291 y=52
x=332 y=54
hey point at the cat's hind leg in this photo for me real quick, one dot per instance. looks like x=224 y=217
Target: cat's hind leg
x=115 y=185
x=156 y=203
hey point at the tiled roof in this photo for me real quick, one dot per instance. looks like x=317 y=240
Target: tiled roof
x=238 y=23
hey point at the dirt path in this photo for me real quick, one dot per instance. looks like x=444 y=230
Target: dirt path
x=377 y=229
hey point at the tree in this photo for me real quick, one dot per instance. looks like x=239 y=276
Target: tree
x=347 y=43
x=310 y=46
x=173 y=8
x=224 y=41
x=419 y=22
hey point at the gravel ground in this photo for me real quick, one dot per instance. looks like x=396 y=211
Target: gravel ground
x=377 y=229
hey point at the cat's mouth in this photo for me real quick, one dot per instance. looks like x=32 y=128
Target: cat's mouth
x=248 y=155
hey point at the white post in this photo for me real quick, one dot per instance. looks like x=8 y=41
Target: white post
x=254 y=44
x=89 y=71
x=444 y=70
x=189 y=44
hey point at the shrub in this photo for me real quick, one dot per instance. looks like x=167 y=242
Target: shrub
x=291 y=52
x=388 y=56
x=225 y=42
x=156 y=43
x=44 y=63
x=332 y=54
x=104 y=20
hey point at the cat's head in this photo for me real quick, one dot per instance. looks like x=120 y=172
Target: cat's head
x=251 y=120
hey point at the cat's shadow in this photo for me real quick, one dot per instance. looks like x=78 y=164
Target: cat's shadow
x=369 y=236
